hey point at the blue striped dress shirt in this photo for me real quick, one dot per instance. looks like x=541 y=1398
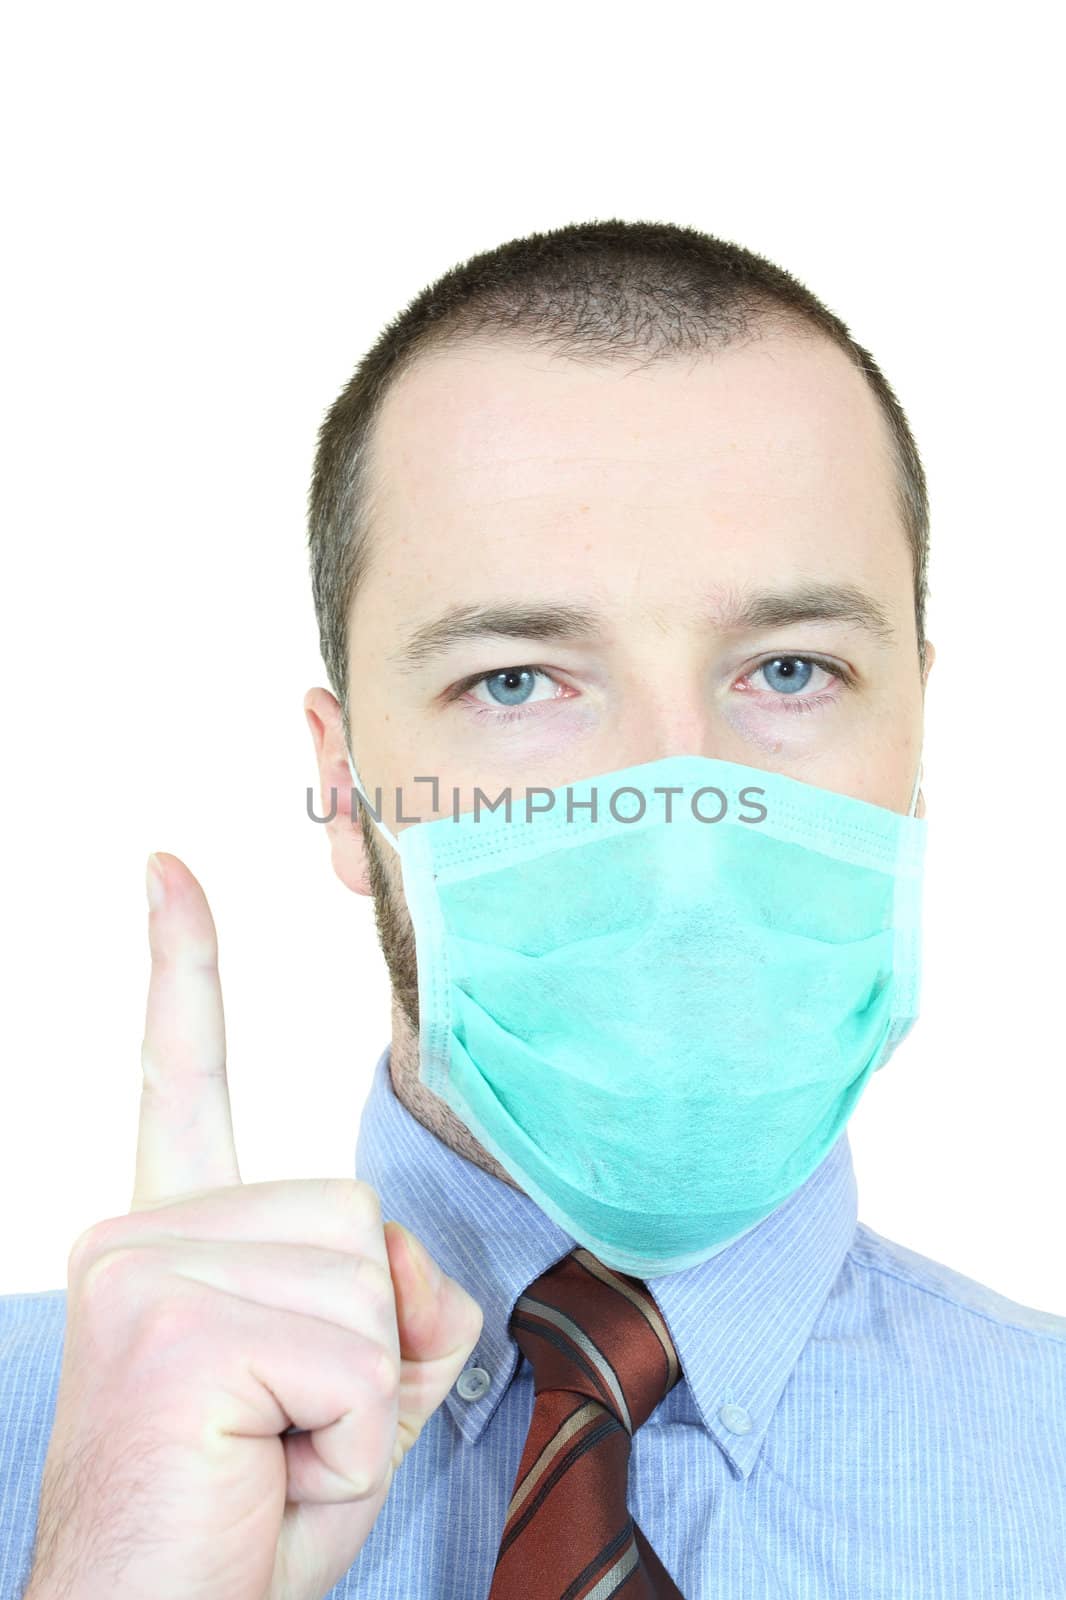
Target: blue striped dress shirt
x=855 y=1421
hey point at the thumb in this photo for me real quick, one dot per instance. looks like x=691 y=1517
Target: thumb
x=438 y=1324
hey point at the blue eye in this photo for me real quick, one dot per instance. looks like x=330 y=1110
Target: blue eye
x=510 y=693
x=512 y=686
x=788 y=674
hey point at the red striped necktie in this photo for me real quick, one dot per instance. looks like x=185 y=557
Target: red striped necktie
x=602 y=1360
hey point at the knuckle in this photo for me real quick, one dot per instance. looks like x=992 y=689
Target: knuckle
x=362 y=1481
x=91 y=1243
x=357 y=1198
x=367 y=1202
x=375 y=1284
x=388 y=1374
x=175 y=1319
x=126 y=1289
x=80 y=1251
x=114 y=1271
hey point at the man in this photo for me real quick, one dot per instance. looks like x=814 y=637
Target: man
x=619 y=508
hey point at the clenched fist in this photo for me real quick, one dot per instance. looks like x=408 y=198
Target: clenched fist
x=215 y=1319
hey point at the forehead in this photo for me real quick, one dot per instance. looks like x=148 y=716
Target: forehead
x=498 y=471
x=786 y=414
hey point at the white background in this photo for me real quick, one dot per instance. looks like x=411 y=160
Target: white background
x=211 y=211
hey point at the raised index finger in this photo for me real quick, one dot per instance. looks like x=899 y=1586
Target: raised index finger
x=185 y=1135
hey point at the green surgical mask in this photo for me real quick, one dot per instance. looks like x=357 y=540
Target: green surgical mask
x=657 y=1000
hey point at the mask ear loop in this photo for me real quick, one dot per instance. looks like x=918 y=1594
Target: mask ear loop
x=917 y=785
x=379 y=825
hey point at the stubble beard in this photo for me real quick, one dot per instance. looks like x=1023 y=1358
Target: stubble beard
x=397 y=939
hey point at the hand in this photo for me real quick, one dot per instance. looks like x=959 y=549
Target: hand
x=213 y=1317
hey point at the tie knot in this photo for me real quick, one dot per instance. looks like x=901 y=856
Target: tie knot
x=585 y=1328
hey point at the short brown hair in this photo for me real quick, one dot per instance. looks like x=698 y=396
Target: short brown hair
x=595 y=291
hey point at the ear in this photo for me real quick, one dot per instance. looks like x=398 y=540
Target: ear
x=930 y=657
x=347 y=848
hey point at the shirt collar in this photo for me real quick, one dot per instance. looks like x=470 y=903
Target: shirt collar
x=739 y=1321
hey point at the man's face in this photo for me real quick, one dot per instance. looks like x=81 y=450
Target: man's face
x=661 y=502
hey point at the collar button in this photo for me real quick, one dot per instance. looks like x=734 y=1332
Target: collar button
x=473 y=1383
x=735 y=1418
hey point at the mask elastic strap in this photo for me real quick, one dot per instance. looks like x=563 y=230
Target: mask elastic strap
x=379 y=825
x=917 y=784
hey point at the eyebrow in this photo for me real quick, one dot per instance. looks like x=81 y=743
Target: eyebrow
x=563 y=622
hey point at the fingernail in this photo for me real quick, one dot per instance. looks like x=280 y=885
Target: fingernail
x=428 y=1269
x=154 y=882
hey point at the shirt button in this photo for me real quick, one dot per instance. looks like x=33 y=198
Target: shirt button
x=473 y=1383
x=735 y=1418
